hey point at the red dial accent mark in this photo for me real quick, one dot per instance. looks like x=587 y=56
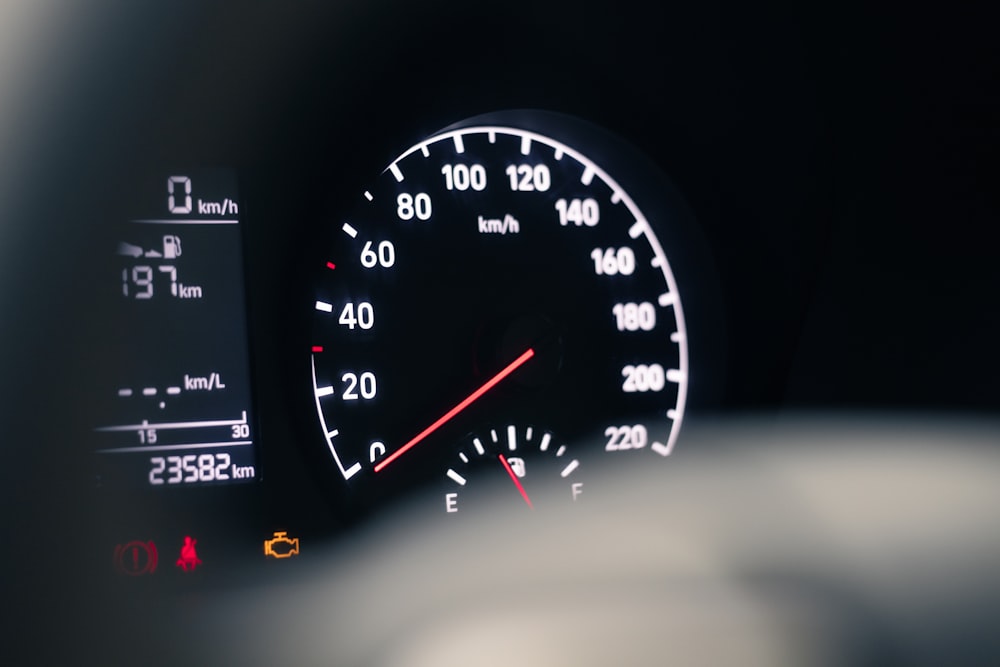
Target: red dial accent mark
x=492 y=382
x=317 y=348
x=331 y=266
x=517 y=482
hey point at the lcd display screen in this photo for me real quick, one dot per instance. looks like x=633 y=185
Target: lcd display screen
x=174 y=408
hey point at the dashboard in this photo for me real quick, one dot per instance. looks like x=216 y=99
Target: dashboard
x=388 y=333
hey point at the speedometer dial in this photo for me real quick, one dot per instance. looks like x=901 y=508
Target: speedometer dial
x=493 y=275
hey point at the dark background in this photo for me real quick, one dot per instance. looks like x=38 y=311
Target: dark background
x=841 y=163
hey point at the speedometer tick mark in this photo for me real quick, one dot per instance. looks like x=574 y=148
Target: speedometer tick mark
x=587 y=177
x=616 y=197
x=331 y=266
x=667 y=299
x=350 y=231
x=324 y=391
x=568 y=470
x=525 y=145
x=674 y=375
x=317 y=348
x=368 y=196
x=656 y=262
x=558 y=155
x=660 y=448
x=397 y=174
x=492 y=136
x=459 y=144
x=638 y=229
x=324 y=306
x=676 y=337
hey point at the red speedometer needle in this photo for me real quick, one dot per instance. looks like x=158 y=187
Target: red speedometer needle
x=517 y=482
x=492 y=382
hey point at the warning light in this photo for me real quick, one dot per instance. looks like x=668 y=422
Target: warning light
x=281 y=546
x=135 y=558
x=189 y=556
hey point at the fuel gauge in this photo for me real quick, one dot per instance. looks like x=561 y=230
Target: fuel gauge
x=538 y=469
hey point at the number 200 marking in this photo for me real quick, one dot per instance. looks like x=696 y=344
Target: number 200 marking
x=642 y=378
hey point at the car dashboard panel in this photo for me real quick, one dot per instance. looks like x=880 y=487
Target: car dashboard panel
x=296 y=291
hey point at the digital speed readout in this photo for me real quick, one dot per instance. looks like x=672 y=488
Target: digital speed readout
x=175 y=405
x=494 y=275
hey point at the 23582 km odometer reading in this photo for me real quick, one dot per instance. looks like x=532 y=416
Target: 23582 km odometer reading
x=493 y=275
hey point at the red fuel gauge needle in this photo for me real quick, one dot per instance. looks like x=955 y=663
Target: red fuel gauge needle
x=517 y=482
x=472 y=398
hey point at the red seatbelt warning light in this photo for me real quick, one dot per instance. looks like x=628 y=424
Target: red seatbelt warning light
x=189 y=555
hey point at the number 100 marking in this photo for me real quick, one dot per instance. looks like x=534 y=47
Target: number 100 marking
x=462 y=177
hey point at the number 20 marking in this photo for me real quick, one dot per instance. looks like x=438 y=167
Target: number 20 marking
x=353 y=383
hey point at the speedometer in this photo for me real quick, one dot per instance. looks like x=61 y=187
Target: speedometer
x=494 y=278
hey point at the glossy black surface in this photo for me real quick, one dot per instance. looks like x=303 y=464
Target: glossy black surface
x=839 y=162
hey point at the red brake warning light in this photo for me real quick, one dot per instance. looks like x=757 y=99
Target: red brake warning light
x=135 y=558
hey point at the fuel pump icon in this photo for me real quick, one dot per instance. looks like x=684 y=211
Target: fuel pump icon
x=171 y=247
x=517 y=465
